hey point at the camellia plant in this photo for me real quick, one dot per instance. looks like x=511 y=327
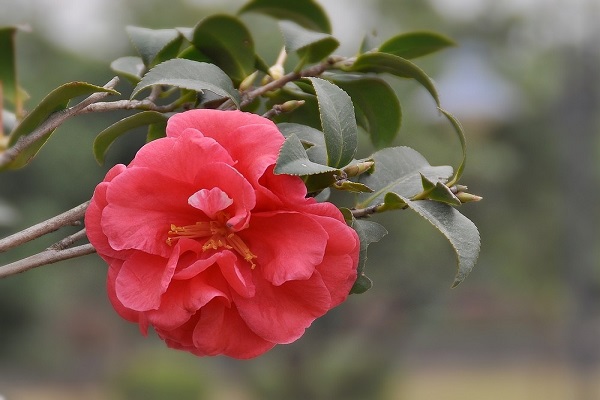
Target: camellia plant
x=219 y=234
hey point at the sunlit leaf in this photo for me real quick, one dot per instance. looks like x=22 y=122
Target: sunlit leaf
x=458 y=229
x=311 y=46
x=338 y=122
x=415 y=44
x=399 y=170
x=228 y=43
x=293 y=160
x=192 y=75
x=155 y=45
x=106 y=138
x=306 y=13
x=398 y=66
x=376 y=106
x=132 y=68
x=56 y=100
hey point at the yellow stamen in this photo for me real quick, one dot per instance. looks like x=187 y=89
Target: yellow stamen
x=219 y=236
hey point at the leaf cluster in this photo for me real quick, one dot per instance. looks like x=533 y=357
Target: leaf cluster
x=321 y=105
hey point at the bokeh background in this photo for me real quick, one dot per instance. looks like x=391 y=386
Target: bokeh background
x=525 y=82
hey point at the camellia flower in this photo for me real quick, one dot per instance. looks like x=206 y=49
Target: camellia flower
x=213 y=250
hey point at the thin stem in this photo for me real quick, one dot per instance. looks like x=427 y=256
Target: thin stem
x=365 y=212
x=69 y=240
x=49 y=256
x=67 y=218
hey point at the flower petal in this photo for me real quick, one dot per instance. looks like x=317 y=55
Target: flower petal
x=142 y=280
x=280 y=314
x=221 y=330
x=210 y=201
x=288 y=245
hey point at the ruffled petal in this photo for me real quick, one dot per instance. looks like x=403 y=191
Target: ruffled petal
x=142 y=280
x=221 y=330
x=210 y=201
x=280 y=314
x=288 y=246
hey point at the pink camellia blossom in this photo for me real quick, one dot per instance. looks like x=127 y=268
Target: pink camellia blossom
x=213 y=250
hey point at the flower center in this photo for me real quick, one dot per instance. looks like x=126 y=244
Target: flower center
x=219 y=236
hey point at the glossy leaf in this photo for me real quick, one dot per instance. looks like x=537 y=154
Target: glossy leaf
x=415 y=44
x=155 y=45
x=132 y=68
x=306 y=13
x=55 y=101
x=293 y=160
x=228 y=43
x=458 y=229
x=399 y=170
x=338 y=122
x=106 y=138
x=8 y=74
x=398 y=66
x=192 y=75
x=376 y=106
x=310 y=45
x=368 y=232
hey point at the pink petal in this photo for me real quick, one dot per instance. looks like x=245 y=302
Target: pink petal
x=288 y=246
x=210 y=201
x=280 y=314
x=142 y=280
x=220 y=330
x=124 y=312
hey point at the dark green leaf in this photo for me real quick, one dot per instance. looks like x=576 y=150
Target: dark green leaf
x=398 y=66
x=156 y=131
x=368 y=232
x=307 y=13
x=458 y=229
x=192 y=75
x=439 y=192
x=155 y=45
x=312 y=139
x=131 y=68
x=310 y=45
x=415 y=44
x=56 y=100
x=399 y=170
x=308 y=114
x=376 y=105
x=338 y=122
x=228 y=43
x=293 y=160
x=8 y=74
x=113 y=132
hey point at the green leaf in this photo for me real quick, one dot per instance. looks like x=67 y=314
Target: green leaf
x=308 y=114
x=310 y=45
x=338 y=122
x=192 y=75
x=312 y=139
x=155 y=45
x=398 y=66
x=415 y=44
x=399 y=170
x=8 y=74
x=354 y=187
x=293 y=160
x=228 y=43
x=156 y=131
x=306 y=13
x=439 y=192
x=458 y=229
x=106 y=138
x=376 y=105
x=368 y=232
x=131 y=68
x=55 y=101
x=463 y=143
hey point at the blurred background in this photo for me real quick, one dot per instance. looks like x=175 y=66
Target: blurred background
x=525 y=82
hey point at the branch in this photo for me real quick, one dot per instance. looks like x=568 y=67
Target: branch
x=365 y=212
x=49 y=256
x=315 y=70
x=67 y=218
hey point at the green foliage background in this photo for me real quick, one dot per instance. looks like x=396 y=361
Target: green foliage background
x=530 y=305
